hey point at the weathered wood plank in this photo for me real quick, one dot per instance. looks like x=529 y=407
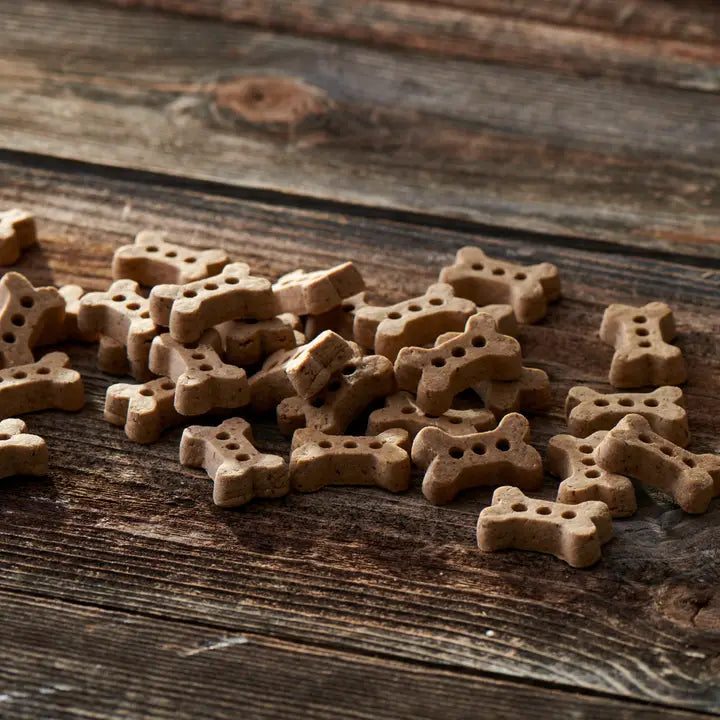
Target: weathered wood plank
x=503 y=146
x=357 y=569
x=72 y=661
x=648 y=41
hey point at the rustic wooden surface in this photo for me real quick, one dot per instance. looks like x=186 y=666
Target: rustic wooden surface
x=125 y=592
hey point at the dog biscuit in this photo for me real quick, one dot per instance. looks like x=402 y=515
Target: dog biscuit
x=439 y=373
x=152 y=260
x=573 y=533
x=318 y=460
x=17 y=232
x=20 y=452
x=248 y=342
x=641 y=337
x=484 y=280
x=340 y=319
x=190 y=309
x=588 y=410
x=313 y=293
x=632 y=448
x=529 y=393
x=572 y=459
x=239 y=472
x=112 y=359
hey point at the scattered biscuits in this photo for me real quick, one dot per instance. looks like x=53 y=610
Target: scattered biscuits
x=20 y=452
x=17 y=233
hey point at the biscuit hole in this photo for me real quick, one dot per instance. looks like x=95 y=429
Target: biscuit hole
x=210 y=286
x=189 y=294
x=18 y=320
x=318 y=402
x=519 y=507
x=479 y=341
x=650 y=402
x=414 y=308
x=542 y=510
x=601 y=403
x=26 y=301
x=456 y=452
x=478 y=267
x=458 y=352
x=625 y=402
x=689 y=462
x=334 y=385
x=503 y=445
x=479 y=449
x=19 y=375
x=190 y=259
x=498 y=271
x=232 y=446
x=642 y=332
x=644 y=438
x=198 y=356
x=146 y=392
x=205 y=367
x=151 y=249
x=232 y=280
x=592 y=474
x=665 y=450
x=133 y=306
x=438 y=362
x=144 y=314
x=394 y=315
x=585 y=449
x=520 y=276
x=588 y=461
x=348 y=307
x=645 y=344
x=407 y=410
x=349 y=369
x=568 y=515
x=375 y=445
x=454 y=420
x=171 y=254
x=8 y=338
x=639 y=319
x=325 y=444
x=43 y=371
x=222 y=436
x=242 y=457
x=350 y=444
x=436 y=301
x=168 y=386
x=119 y=298
x=3 y=436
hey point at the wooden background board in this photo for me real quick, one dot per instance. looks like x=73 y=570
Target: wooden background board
x=301 y=134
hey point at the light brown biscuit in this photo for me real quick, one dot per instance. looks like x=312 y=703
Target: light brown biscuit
x=573 y=533
x=20 y=452
x=17 y=232
x=318 y=460
x=632 y=448
x=144 y=410
x=270 y=384
x=112 y=359
x=203 y=381
x=572 y=460
x=457 y=462
x=248 y=342
x=417 y=321
x=588 y=410
x=239 y=472
x=26 y=315
x=311 y=369
x=503 y=315
x=339 y=319
x=401 y=411
x=529 y=393
x=438 y=374
x=362 y=381
x=485 y=280
x=313 y=293
x=641 y=337
x=190 y=309
x=152 y=260
x=71 y=294
x=47 y=384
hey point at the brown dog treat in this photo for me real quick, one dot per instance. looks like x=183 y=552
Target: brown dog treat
x=247 y=342
x=17 y=232
x=339 y=319
x=457 y=462
x=318 y=460
x=362 y=381
x=270 y=384
x=112 y=359
x=20 y=452
x=239 y=472
x=572 y=460
x=234 y=294
x=313 y=293
x=310 y=370
x=203 y=381
x=573 y=533
x=529 y=393
x=484 y=280
x=401 y=411
x=632 y=448
x=438 y=374
x=71 y=331
x=145 y=410
x=588 y=411
x=46 y=384
x=26 y=315
x=503 y=315
x=641 y=337
x=417 y=321
x=152 y=260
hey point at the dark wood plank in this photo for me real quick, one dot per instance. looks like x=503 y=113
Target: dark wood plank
x=358 y=569
x=648 y=41
x=70 y=661
x=503 y=146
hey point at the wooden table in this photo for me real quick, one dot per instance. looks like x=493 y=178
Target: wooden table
x=301 y=133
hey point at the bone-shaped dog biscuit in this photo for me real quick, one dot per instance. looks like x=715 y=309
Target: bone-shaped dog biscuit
x=17 y=232
x=632 y=448
x=247 y=342
x=349 y=392
x=270 y=384
x=417 y=321
x=313 y=293
x=20 y=452
x=203 y=381
x=26 y=315
x=573 y=533
x=318 y=460
x=340 y=319
x=588 y=410
x=401 y=411
x=49 y=383
x=572 y=460
x=437 y=374
x=233 y=294
x=641 y=337
x=484 y=280
x=239 y=472
x=144 y=410
x=152 y=260
x=529 y=393
x=112 y=358
x=457 y=462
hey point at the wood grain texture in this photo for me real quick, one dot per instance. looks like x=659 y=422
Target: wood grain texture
x=651 y=41
x=357 y=570
x=503 y=146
